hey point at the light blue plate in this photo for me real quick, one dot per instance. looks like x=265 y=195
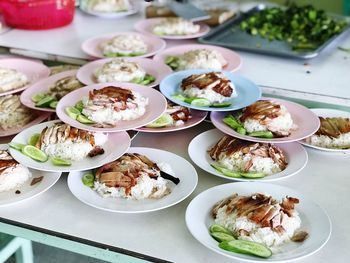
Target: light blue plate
x=248 y=92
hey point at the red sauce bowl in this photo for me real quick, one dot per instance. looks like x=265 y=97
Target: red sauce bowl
x=37 y=14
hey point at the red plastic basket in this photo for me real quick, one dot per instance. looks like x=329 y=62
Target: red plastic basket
x=37 y=14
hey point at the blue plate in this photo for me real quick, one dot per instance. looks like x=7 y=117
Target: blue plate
x=247 y=91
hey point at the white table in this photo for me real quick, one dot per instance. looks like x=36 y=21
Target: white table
x=328 y=81
x=163 y=235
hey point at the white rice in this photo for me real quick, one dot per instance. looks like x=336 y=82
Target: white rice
x=14 y=177
x=341 y=142
x=283 y=123
x=264 y=235
x=145 y=187
x=208 y=94
x=201 y=59
x=110 y=116
x=119 y=70
x=176 y=26
x=237 y=163
x=73 y=150
x=124 y=44
x=11 y=79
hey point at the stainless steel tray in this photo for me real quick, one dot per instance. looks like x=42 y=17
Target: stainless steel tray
x=231 y=36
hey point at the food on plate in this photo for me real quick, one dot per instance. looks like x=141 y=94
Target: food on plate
x=56 y=91
x=175 y=26
x=208 y=89
x=124 y=45
x=264 y=118
x=62 y=144
x=61 y=68
x=121 y=70
x=132 y=176
x=242 y=159
x=175 y=115
x=197 y=59
x=13 y=114
x=304 y=27
x=258 y=223
x=12 y=173
x=107 y=106
x=333 y=133
x=11 y=79
x=108 y=6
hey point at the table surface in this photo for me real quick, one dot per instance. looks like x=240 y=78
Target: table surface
x=327 y=81
x=163 y=234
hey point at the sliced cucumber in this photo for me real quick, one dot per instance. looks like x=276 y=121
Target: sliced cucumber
x=218 y=228
x=79 y=106
x=226 y=171
x=145 y=82
x=81 y=118
x=179 y=97
x=72 y=112
x=246 y=247
x=241 y=130
x=38 y=97
x=60 y=162
x=34 y=139
x=17 y=146
x=45 y=102
x=88 y=180
x=220 y=236
x=137 y=80
x=262 y=134
x=53 y=104
x=162 y=121
x=34 y=153
x=170 y=59
x=221 y=105
x=253 y=175
x=200 y=102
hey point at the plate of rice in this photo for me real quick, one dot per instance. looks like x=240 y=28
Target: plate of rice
x=285 y=121
x=112 y=107
x=14 y=116
x=135 y=183
x=285 y=222
x=334 y=132
x=214 y=148
x=16 y=74
x=81 y=148
x=128 y=70
x=215 y=87
x=19 y=183
x=123 y=44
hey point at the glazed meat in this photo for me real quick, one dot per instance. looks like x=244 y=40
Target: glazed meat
x=333 y=127
x=262 y=110
x=111 y=93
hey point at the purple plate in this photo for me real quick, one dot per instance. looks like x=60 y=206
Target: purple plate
x=147 y=25
x=156 y=69
x=91 y=46
x=33 y=70
x=197 y=117
x=42 y=86
x=156 y=107
x=234 y=61
x=307 y=122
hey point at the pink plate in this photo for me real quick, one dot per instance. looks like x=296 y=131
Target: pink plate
x=41 y=116
x=307 y=121
x=234 y=61
x=155 y=108
x=33 y=70
x=156 y=69
x=147 y=25
x=41 y=87
x=197 y=117
x=91 y=46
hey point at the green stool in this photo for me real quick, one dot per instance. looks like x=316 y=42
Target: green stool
x=10 y=245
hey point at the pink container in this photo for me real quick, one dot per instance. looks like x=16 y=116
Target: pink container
x=37 y=14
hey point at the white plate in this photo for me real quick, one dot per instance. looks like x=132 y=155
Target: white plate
x=182 y=169
x=115 y=146
x=313 y=219
x=135 y=7
x=328 y=113
x=198 y=150
x=28 y=191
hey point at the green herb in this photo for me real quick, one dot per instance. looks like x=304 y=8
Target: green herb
x=344 y=49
